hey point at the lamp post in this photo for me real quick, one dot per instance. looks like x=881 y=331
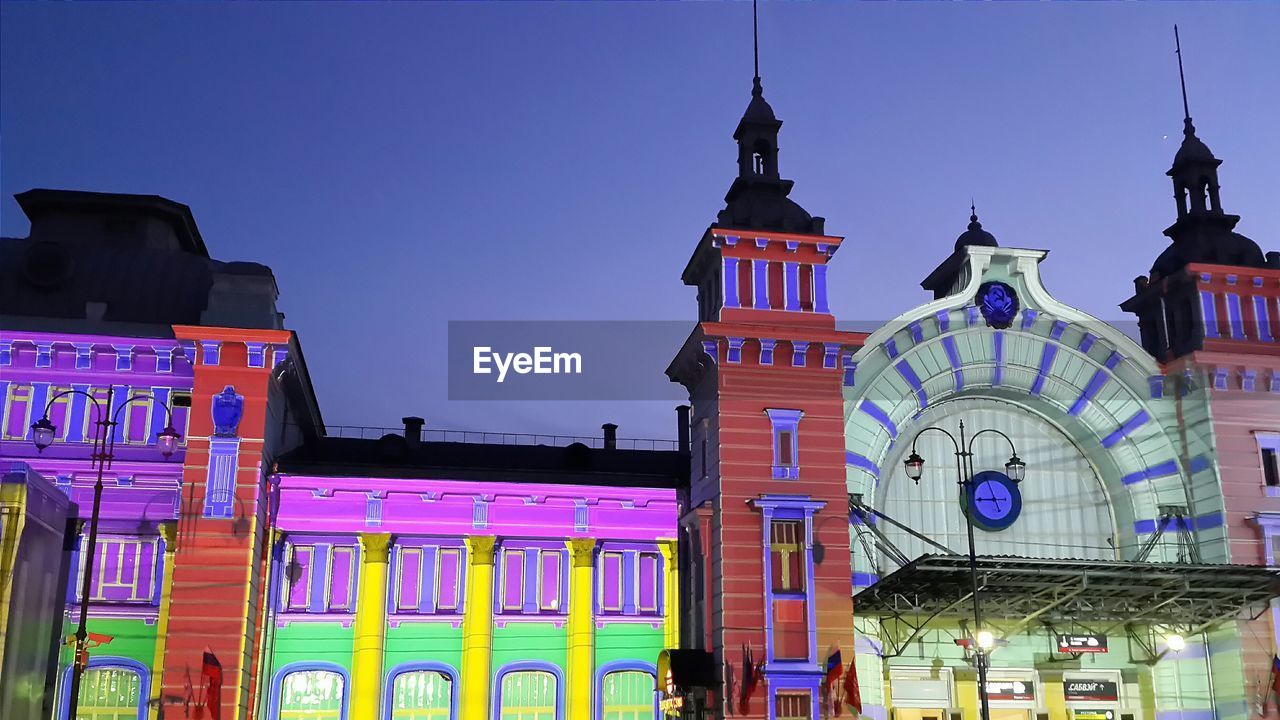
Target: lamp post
x=42 y=434
x=1015 y=468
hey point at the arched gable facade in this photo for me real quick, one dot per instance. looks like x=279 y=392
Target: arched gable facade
x=1057 y=366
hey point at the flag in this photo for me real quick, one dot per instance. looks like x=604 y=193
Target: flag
x=212 y=672
x=852 y=696
x=750 y=680
x=1275 y=677
x=834 y=668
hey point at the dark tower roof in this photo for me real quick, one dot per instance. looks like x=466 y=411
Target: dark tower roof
x=757 y=199
x=1203 y=232
x=941 y=282
x=975 y=235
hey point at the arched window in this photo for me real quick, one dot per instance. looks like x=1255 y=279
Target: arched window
x=109 y=693
x=528 y=695
x=757 y=163
x=421 y=695
x=311 y=695
x=627 y=695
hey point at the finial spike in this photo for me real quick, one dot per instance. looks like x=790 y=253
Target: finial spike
x=755 y=40
x=1182 y=78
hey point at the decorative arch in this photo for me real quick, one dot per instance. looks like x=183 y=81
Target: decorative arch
x=623 y=666
x=277 y=683
x=528 y=665
x=1057 y=363
x=420 y=666
x=107 y=663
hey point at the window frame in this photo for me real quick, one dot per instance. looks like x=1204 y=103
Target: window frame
x=785 y=424
x=435 y=549
x=1268 y=443
x=409 y=668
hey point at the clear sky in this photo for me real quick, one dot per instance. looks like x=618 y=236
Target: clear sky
x=403 y=165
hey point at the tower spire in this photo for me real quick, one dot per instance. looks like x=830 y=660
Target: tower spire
x=1182 y=77
x=755 y=42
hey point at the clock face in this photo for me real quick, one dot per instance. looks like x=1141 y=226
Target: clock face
x=993 y=501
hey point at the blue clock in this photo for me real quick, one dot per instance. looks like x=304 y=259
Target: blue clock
x=992 y=501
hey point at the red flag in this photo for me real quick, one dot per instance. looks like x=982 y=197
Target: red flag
x=212 y=672
x=852 y=696
x=751 y=671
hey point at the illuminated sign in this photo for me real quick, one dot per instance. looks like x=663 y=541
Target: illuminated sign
x=671 y=703
x=1020 y=690
x=1094 y=714
x=1082 y=643
x=1090 y=691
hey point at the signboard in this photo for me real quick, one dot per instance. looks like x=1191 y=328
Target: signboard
x=671 y=702
x=1022 y=690
x=1093 y=714
x=1090 y=691
x=1082 y=643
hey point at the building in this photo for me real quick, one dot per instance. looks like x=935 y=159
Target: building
x=115 y=296
x=1136 y=540
x=444 y=579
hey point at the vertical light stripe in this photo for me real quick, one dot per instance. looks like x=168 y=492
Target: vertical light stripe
x=760 y=284
x=477 y=629
x=670 y=594
x=730 y=282
x=370 y=627
x=169 y=533
x=579 y=680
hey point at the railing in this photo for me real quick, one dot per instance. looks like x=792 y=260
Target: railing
x=497 y=438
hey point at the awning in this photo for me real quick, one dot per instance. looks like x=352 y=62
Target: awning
x=1053 y=591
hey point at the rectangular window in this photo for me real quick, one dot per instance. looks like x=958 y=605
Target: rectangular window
x=786 y=460
x=181 y=404
x=1270 y=467
x=60 y=411
x=408 y=584
x=551 y=562
x=319 y=577
x=512 y=579
x=136 y=419
x=123 y=570
x=793 y=705
x=611 y=582
x=17 y=412
x=297 y=577
x=342 y=570
x=786 y=556
x=448 y=580
x=649 y=583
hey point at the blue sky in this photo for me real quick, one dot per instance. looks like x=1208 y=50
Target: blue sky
x=403 y=165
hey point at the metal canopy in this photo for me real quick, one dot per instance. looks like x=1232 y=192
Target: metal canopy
x=1088 y=591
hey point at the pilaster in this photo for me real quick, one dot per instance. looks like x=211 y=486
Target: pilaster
x=477 y=629
x=581 y=624
x=169 y=534
x=670 y=594
x=370 y=627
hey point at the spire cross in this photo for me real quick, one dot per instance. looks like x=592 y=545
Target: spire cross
x=755 y=39
x=1177 y=43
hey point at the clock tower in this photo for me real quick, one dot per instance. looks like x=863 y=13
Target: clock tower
x=765 y=534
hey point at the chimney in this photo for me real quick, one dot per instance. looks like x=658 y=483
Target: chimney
x=682 y=427
x=610 y=436
x=413 y=431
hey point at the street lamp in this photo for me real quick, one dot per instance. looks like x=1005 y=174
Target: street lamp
x=1016 y=469
x=42 y=434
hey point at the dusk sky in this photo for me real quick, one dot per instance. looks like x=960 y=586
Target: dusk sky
x=402 y=165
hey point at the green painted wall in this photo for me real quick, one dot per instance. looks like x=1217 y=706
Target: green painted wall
x=312 y=642
x=133 y=639
x=529 y=641
x=423 y=641
x=628 y=641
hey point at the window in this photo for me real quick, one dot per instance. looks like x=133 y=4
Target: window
x=793 y=705
x=136 y=419
x=627 y=695
x=786 y=462
x=311 y=695
x=123 y=569
x=421 y=695
x=629 y=582
x=786 y=555
x=532 y=580
x=527 y=695
x=319 y=577
x=429 y=579
x=1269 y=446
x=17 y=412
x=108 y=693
